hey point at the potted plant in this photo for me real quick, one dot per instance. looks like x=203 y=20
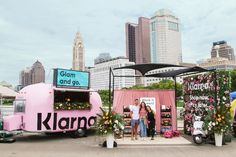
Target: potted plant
x=108 y=123
x=218 y=121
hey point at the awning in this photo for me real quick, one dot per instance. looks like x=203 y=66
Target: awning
x=7 y=92
x=144 y=68
x=233 y=95
x=177 y=72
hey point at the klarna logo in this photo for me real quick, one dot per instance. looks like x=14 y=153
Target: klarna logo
x=198 y=86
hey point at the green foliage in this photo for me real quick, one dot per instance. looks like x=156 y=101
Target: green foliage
x=7 y=102
x=104 y=94
x=163 y=84
x=233 y=80
x=180 y=103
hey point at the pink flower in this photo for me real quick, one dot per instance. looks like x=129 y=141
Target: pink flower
x=211 y=100
x=211 y=107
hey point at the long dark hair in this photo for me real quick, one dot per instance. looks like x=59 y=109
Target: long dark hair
x=150 y=109
x=145 y=106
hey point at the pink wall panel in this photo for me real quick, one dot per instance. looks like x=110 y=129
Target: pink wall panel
x=163 y=97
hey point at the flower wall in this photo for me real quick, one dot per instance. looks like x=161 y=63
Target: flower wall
x=219 y=119
x=204 y=93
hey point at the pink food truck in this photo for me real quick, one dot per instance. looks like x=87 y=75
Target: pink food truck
x=68 y=105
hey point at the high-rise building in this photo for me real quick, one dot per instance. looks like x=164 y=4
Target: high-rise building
x=78 y=53
x=143 y=54
x=165 y=38
x=138 y=41
x=37 y=73
x=25 y=77
x=99 y=74
x=131 y=35
x=222 y=57
x=222 y=49
x=32 y=75
x=102 y=57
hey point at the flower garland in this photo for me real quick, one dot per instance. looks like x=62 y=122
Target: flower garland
x=68 y=105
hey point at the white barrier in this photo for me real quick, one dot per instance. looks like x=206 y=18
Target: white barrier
x=180 y=112
x=6 y=110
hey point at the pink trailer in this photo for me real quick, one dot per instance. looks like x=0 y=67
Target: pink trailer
x=45 y=108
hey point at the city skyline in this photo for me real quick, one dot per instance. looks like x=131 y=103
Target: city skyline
x=46 y=32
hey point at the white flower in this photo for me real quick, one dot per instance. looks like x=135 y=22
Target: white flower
x=116 y=121
x=213 y=124
x=121 y=127
x=224 y=97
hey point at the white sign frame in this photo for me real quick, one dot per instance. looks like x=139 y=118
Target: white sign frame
x=149 y=101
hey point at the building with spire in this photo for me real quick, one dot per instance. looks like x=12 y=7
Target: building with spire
x=78 y=53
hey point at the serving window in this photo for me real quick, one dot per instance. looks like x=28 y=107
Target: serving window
x=70 y=100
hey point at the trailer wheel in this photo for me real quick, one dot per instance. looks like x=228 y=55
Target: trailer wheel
x=2 y=135
x=78 y=133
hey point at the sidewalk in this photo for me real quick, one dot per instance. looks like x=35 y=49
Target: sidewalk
x=158 y=140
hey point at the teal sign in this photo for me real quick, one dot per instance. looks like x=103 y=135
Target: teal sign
x=71 y=79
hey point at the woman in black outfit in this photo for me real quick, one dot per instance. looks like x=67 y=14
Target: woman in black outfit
x=151 y=122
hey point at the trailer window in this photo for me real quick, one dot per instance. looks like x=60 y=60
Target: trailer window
x=66 y=100
x=19 y=105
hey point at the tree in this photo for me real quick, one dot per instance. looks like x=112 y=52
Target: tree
x=233 y=80
x=104 y=94
x=163 y=84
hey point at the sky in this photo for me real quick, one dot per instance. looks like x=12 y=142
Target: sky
x=44 y=30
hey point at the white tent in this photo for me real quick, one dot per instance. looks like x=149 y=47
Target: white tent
x=7 y=92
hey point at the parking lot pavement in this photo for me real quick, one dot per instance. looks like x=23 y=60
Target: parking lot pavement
x=40 y=145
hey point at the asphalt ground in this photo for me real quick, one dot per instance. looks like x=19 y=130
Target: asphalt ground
x=41 y=145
